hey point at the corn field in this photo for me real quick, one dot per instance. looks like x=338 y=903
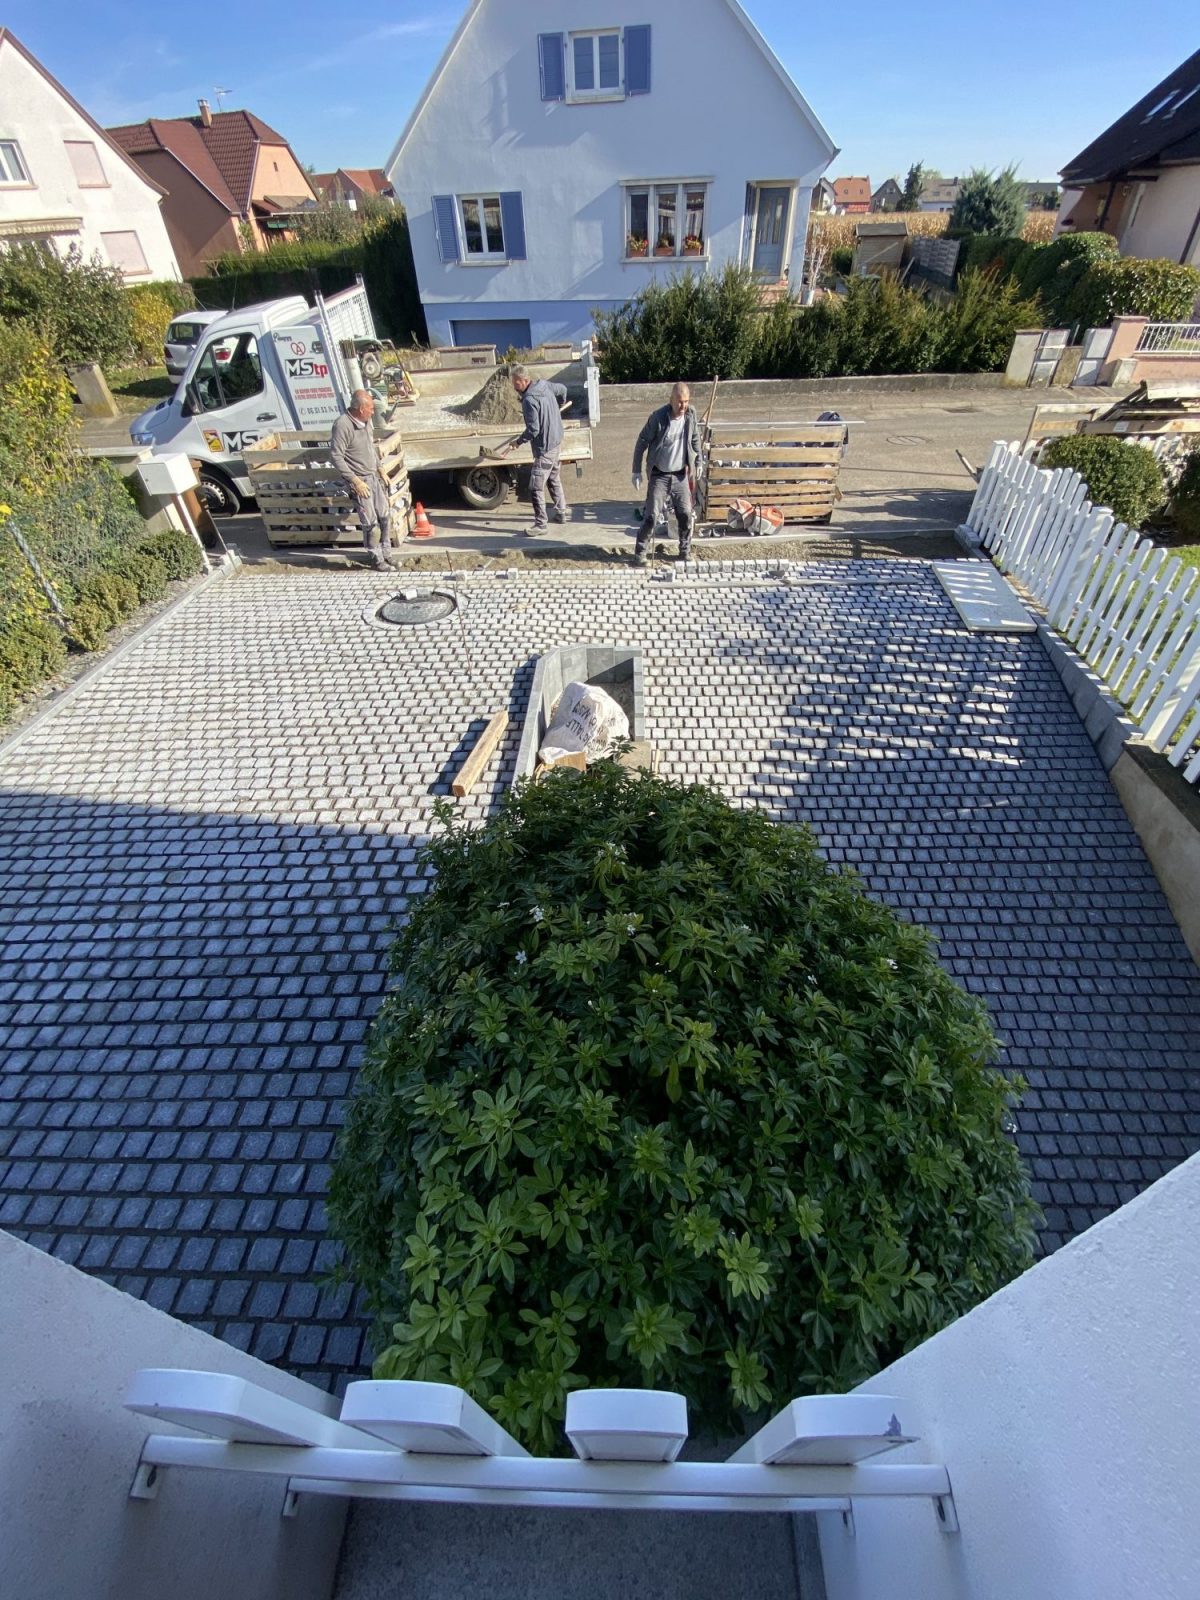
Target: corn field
x=837 y=232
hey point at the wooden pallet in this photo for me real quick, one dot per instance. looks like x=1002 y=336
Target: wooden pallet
x=790 y=465
x=301 y=495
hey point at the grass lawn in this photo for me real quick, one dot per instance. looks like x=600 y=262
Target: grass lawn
x=135 y=388
x=1189 y=553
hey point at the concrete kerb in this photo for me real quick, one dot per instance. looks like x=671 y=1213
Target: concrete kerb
x=805 y=389
x=1108 y=725
x=230 y=565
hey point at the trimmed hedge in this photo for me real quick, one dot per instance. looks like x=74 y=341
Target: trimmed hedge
x=1119 y=474
x=178 y=552
x=31 y=650
x=1164 y=291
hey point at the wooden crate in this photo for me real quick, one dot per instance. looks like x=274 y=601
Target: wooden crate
x=790 y=465
x=301 y=495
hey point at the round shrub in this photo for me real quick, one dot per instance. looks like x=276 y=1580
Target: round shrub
x=663 y=1100
x=178 y=552
x=1119 y=474
x=1185 y=497
x=31 y=649
x=88 y=625
x=112 y=592
x=147 y=573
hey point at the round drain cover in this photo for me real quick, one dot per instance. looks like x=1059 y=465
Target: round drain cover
x=416 y=606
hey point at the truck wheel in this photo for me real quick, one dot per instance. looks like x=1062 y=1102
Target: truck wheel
x=484 y=488
x=218 y=494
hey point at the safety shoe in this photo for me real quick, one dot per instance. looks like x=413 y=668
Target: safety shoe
x=537 y=528
x=560 y=516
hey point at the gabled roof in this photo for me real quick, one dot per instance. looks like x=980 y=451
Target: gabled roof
x=468 y=17
x=942 y=190
x=180 y=138
x=8 y=37
x=367 y=180
x=852 y=191
x=1164 y=127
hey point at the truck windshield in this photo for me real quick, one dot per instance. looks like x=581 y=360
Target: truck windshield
x=228 y=371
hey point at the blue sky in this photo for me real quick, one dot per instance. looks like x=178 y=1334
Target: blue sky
x=954 y=84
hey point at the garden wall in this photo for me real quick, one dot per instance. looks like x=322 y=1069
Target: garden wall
x=1064 y=1408
x=70 y=1346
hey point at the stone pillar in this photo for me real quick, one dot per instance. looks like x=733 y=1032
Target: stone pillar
x=93 y=391
x=1126 y=333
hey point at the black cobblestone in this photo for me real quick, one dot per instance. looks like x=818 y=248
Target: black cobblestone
x=202 y=853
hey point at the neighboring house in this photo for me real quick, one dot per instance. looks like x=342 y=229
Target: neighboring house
x=852 y=196
x=888 y=196
x=548 y=171
x=224 y=174
x=940 y=194
x=64 y=182
x=823 y=202
x=349 y=186
x=1140 y=180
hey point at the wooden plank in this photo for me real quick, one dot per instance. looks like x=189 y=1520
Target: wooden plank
x=779 y=474
x=780 y=452
x=472 y=768
x=723 y=433
x=795 y=497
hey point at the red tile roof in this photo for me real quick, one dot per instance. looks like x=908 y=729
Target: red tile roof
x=852 y=191
x=221 y=155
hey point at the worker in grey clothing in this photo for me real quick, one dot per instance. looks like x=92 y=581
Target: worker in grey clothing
x=352 y=446
x=542 y=405
x=670 y=442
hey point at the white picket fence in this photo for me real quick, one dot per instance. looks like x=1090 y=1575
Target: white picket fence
x=1130 y=609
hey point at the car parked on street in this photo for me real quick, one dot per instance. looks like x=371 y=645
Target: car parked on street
x=182 y=337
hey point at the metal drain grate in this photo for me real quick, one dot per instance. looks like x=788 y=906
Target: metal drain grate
x=417 y=606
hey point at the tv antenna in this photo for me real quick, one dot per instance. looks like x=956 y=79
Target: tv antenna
x=221 y=94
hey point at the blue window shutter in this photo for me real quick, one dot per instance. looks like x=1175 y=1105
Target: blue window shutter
x=552 y=65
x=637 y=59
x=512 y=214
x=443 y=219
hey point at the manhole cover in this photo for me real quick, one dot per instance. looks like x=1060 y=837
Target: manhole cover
x=416 y=606
x=906 y=438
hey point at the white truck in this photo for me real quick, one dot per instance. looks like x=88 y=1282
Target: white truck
x=267 y=367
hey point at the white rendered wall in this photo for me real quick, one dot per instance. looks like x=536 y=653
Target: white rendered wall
x=1166 y=216
x=486 y=129
x=1067 y=1410
x=68 y=1451
x=39 y=119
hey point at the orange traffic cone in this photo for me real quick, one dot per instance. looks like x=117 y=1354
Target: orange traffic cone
x=422 y=527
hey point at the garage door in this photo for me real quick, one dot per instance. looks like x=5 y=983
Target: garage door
x=513 y=333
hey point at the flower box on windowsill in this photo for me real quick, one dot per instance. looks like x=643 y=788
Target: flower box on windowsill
x=697 y=250
x=664 y=250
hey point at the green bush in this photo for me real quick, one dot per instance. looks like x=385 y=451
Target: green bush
x=692 y=326
x=841 y=260
x=1119 y=474
x=1185 y=497
x=976 y=329
x=1054 y=271
x=150 y=317
x=664 y=1100
x=79 y=307
x=87 y=625
x=112 y=593
x=31 y=649
x=990 y=203
x=37 y=427
x=146 y=572
x=1125 y=286
x=178 y=553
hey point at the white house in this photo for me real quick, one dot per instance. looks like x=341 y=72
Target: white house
x=63 y=181
x=563 y=155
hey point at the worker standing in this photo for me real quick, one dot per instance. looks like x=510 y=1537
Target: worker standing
x=352 y=446
x=542 y=404
x=670 y=442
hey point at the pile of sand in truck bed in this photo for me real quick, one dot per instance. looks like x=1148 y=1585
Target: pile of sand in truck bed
x=497 y=404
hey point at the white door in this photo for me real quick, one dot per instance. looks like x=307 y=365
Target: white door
x=770 y=232
x=233 y=403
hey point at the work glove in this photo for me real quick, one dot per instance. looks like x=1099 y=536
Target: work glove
x=637 y=482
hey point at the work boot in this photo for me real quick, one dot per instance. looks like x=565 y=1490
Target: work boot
x=685 y=546
x=640 y=558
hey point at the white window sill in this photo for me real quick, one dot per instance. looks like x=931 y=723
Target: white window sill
x=482 y=261
x=599 y=98
x=4 y=184
x=651 y=259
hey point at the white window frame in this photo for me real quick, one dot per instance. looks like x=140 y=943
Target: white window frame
x=587 y=96
x=11 y=147
x=485 y=256
x=87 y=144
x=126 y=233
x=648 y=186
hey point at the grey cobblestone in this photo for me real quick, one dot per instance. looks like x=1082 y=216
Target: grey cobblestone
x=202 y=854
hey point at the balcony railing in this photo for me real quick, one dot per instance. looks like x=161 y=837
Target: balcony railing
x=1170 y=338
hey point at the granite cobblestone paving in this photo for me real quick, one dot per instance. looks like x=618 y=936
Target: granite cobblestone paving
x=204 y=852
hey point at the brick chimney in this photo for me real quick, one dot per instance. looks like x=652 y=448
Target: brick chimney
x=205 y=114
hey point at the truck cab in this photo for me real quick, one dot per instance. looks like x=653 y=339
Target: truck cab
x=270 y=366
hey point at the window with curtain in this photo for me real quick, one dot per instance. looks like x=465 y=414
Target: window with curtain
x=665 y=219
